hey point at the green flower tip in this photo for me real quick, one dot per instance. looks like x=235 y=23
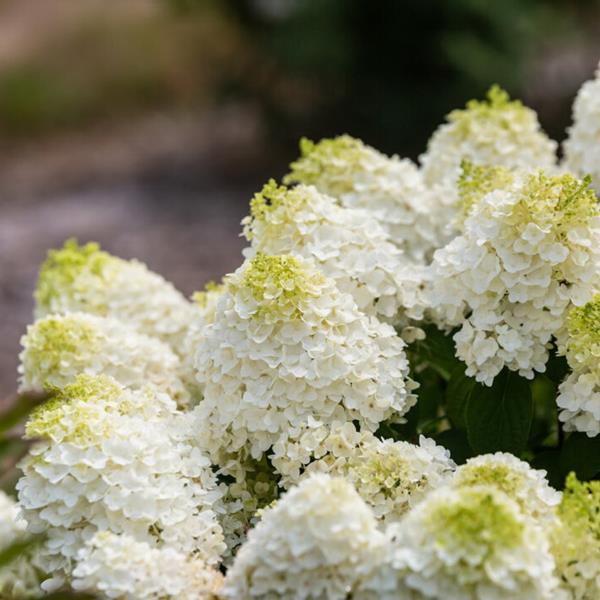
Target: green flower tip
x=479 y=516
x=330 y=155
x=497 y=475
x=278 y=283
x=580 y=508
x=62 y=267
x=269 y=199
x=211 y=288
x=477 y=181
x=60 y=334
x=389 y=472
x=570 y=202
x=48 y=418
x=497 y=107
x=583 y=325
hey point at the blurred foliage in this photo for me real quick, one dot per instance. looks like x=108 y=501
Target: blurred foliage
x=390 y=70
x=387 y=70
x=107 y=64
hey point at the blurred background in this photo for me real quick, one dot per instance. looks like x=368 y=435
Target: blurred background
x=148 y=124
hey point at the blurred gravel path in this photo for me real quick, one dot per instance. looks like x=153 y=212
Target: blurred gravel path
x=189 y=234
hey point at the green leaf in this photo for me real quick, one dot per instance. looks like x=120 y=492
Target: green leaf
x=457 y=443
x=499 y=417
x=581 y=454
x=549 y=461
x=435 y=351
x=457 y=396
x=556 y=367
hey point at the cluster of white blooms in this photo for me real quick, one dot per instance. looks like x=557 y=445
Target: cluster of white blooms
x=318 y=541
x=579 y=394
x=248 y=443
x=346 y=244
x=87 y=279
x=496 y=131
x=467 y=543
x=581 y=149
x=528 y=252
x=576 y=540
x=291 y=353
x=112 y=458
x=57 y=348
x=391 y=477
x=526 y=486
x=19 y=579
x=119 y=566
x=392 y=190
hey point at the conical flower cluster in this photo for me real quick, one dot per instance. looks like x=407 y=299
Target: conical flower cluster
x=529 y=251
x=346 y=244
x=293 y=356
x=391 y=189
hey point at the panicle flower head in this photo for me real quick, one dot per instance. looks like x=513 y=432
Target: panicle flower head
x=576 y=540
x=526 y=486
x=57 y=348
x=528 y=252
x=390 y=188
x=495 y=131
x=346 y=244
x=108 y=457
x=318 y=541
x=579 y=395
x=18 y=579
x=85 y=278
x=292 y=355
x=466 y=543
x=581 y=148
x=119 y=566
x=582 y=344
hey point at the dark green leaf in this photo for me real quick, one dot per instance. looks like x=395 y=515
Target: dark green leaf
x=456 y=441
x=556 y=367
x=499 y=417
x=435 y=351
x=581 y=454
x=549 y=462
x=457 y=396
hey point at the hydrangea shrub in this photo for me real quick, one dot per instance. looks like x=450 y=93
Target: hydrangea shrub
x=395 y=396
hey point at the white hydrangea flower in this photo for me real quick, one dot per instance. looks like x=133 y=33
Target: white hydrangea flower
x=87 y=279
x=529 y=251
x=346 y=244
x=576 y=540
x=291 y=354
x=119 y=566
x=582 y=148
x=390 y=188
x=528 y=487
x=19 y=579
x=57 y=348
x=579 y=395
x=496 y=131
x=121 y=460
x=470 y=543
x=318 y=541
x=391 y=477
